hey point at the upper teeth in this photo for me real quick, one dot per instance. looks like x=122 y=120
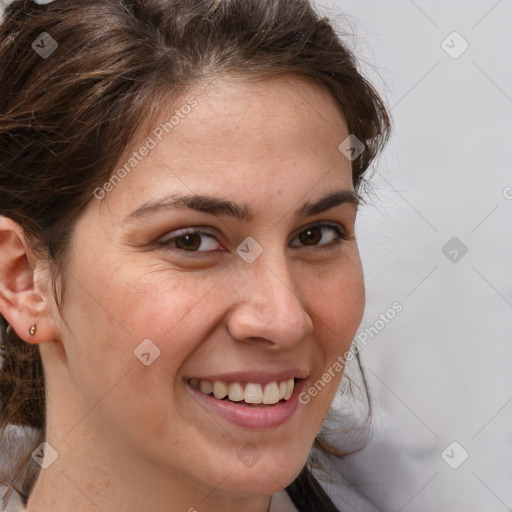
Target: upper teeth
x=253 y=393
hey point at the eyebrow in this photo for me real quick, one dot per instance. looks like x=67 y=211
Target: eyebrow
x=243 y=212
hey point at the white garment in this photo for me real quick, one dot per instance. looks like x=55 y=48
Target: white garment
x=280 y=502
x=14 y=504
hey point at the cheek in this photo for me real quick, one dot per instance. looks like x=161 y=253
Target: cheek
x=172 y=307
x=337 y=300
x=111 y=312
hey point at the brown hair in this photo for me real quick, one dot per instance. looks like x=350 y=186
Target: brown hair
x=65 y=121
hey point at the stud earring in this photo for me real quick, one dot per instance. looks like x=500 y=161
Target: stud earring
x=33 y=329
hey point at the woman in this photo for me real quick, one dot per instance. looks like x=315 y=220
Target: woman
x=179 y=182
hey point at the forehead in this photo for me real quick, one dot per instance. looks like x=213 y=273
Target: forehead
x=279 y=112
x=245 y=137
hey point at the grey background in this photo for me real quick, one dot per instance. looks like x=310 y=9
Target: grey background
x=440 y=370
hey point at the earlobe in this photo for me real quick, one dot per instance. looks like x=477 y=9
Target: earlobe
x=23 y=295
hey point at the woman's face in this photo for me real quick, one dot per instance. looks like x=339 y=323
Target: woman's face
x=263 y=294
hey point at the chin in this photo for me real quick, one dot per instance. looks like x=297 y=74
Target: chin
x=263 y=477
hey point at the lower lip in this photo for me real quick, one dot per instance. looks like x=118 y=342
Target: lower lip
x=262 y=418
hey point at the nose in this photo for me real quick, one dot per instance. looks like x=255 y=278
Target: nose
x=268 y=307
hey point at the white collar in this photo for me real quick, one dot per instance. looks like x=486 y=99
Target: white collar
x=281 y=502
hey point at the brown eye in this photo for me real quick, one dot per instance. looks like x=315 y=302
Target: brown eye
x=190 y=242
x=193 y=241
x=313 y=235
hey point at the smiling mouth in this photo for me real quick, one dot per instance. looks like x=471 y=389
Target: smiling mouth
x=247 y=394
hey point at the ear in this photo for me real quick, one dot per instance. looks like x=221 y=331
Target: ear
x=25 y=283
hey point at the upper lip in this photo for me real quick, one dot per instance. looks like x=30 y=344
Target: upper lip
x=256 y=376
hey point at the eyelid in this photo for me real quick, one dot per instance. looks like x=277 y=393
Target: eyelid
x=321 y=224
x=186 y=231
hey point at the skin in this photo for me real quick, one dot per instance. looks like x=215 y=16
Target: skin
x=129 y=436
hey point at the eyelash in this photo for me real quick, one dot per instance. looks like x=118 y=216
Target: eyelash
x=341 y=236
